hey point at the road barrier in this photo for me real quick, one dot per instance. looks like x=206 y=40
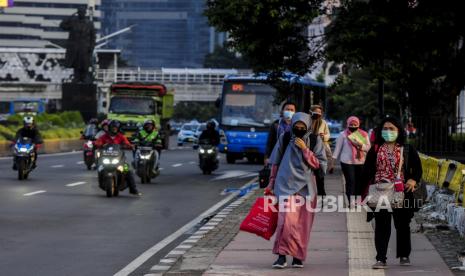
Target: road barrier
x=447 y=204
x=49 y=146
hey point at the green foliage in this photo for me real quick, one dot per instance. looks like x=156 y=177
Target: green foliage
x=345 y=97
x=417 y=44
x=222 y=57
x=195 y=110
x=62 y=133
x=269 y=33
x=7 y=133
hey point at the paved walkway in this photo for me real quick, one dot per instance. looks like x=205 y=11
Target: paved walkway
x=340 y=244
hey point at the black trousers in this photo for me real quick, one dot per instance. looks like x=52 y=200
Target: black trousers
x=320 y=182
x=402 y=219
x=353 y=177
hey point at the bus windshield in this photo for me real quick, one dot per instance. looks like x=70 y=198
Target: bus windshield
x=248 y=104
x=136 y=106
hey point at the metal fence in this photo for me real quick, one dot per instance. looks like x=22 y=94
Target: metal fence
x=440 y=137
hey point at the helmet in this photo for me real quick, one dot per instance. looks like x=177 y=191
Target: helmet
x=93 y=121
x=211 y=125
x=114 y=124
x=105 y=122
x=28 y=121
x=147 y=123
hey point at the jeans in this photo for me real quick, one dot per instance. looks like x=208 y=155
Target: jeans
x=353 y=177
x=402 y=219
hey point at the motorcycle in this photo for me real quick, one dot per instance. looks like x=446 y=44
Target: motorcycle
x=24 y=154
x=88 y=148
x=89 y=154
x=112 y=170
x=146 y=158
x=208 y=161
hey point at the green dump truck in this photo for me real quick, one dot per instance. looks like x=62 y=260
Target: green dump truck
x=132 y=103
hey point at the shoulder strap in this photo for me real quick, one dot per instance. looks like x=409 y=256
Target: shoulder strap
x=406 y=154
x=401 y=164
x=286 y=140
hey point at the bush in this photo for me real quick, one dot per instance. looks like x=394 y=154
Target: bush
x=7 y=133
x=62 y=133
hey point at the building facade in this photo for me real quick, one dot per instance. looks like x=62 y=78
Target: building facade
x=35 y=23
x=166 y=33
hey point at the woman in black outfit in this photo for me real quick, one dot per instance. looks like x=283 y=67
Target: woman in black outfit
x=382 y=162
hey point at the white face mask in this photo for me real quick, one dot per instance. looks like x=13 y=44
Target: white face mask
x=288 y=114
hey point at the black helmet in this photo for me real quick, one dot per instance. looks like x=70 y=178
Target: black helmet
x=114 y=124
x=147 y=123
x=211 y=125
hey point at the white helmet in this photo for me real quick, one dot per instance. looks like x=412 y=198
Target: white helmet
x=28 y=120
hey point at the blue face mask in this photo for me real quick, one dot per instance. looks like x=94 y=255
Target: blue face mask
x=389 y=135
x=288 y=114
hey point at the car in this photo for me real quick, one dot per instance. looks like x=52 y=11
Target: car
x=335 y=129
x=186 y=134
x=198 y=131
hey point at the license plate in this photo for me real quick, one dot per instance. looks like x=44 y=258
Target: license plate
x=190 y=139
x=89 y=153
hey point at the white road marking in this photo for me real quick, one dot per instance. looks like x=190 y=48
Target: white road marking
x=160 y=267
x=233 y=174
x=184 y=247
x=80 y=162
x=167 y=261
x=75 y=184
x=192 y=162
x=57 y=166
x=177 y=165
x=35 y=193
x=177 y=252
x=131 y=267
x=161 y=169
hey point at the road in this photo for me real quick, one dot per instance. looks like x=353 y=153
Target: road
x=58 y=222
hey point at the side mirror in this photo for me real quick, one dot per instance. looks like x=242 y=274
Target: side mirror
x=218 y=103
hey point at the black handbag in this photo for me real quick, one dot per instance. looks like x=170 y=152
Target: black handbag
x=264 y=176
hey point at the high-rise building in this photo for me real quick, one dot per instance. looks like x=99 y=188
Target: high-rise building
x=166 y=33
x=35 y=23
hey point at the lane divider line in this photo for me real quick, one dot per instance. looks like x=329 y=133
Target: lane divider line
x=131 y=267
x=75 y=184
x=35 y=193
x=80 y=162
x=177 y=165
x=57 y=166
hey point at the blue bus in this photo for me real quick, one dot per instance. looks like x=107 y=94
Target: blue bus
x=247 y=111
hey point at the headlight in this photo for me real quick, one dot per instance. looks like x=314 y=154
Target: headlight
x=210 y=151
x=23 y=150
x=98 y=154
x=90 y=145
x=115 y=161
x=106 y=161
x=120 y=168
x=145 y=156
x=202 y=151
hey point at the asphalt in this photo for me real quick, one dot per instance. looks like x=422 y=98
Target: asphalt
x=76 y=230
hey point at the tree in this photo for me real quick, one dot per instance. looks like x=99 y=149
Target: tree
x=415 y=43
x=201 y=111
x=344 y=98
x=222 y=57
x=270 y=33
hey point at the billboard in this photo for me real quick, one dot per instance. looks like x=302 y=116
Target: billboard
x=6 y=3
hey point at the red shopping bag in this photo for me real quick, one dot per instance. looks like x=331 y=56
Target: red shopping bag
x=262 y=219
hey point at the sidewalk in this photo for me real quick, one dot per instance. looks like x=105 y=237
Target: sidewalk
x=340 y=244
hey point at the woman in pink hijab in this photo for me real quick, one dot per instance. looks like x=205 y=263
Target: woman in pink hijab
x=351 y=149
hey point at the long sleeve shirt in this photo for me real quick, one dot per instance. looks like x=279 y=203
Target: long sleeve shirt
x=343 y=151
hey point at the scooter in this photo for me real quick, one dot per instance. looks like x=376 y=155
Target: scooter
x=89 y=153
x=208 y=161
x=24 y=155
x=146 y=160
x=112 y=170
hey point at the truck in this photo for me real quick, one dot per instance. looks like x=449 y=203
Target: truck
x=132 y=103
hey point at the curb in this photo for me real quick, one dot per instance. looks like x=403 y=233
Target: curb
x=173 y=257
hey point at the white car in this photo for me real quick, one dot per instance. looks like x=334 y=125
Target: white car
x=186 y=134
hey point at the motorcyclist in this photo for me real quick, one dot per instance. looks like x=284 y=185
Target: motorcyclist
x=91 y=129
x=148 y=134
x=103 y=128
x=210 y=134
x=114 y=136
x=29 y=130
